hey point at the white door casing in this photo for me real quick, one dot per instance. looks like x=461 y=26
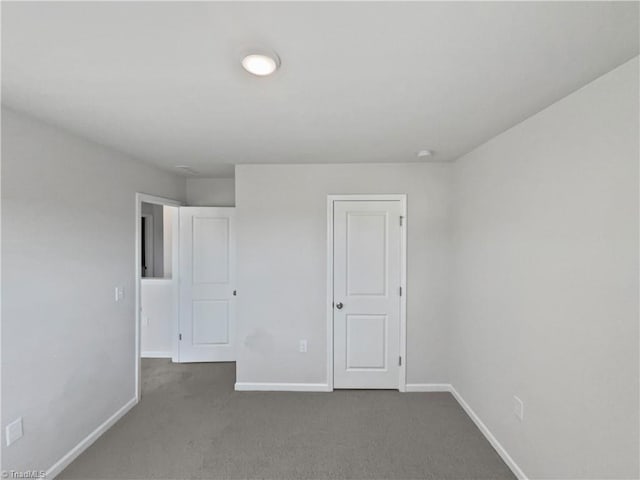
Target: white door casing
x=367 y=281
x=207 y=279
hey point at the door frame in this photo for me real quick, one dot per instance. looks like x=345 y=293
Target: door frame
x=139 y=198
x=402 y=198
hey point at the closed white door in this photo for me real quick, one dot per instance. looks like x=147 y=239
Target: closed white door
x=366 y=296
x=207 y=276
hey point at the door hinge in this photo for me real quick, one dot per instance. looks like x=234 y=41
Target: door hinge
x=400 y=291
x=179 y=336
x=401 y=218
x=399 y=361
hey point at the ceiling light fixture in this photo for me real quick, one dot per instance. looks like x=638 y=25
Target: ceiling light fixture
x=187 y=169
x=424 y=153
x=261 y=64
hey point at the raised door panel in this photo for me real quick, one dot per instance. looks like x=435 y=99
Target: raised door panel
x=210 y=322
x=366 y=345
x=366 y=252
x=210 y=250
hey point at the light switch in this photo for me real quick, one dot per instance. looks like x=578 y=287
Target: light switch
x=119 y=294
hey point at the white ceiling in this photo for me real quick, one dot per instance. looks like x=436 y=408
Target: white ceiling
x=359 y=82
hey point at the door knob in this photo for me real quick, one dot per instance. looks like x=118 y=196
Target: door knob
x=339 y=306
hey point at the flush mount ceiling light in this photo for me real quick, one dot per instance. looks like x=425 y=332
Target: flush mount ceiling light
x=425 y=153
x=261 y=63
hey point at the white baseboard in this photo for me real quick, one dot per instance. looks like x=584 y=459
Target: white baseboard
x=86 y=442
x=155 y=354
x=428 y=387
x=489 y=436
x=282 y=387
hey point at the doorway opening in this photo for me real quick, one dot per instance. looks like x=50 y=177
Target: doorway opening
x=156 y=252
x=156 y=239
x=185 y=283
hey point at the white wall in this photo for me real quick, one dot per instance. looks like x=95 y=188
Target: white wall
x=211 y=192
x=68 y=223
x=545 y=292
x=282 y=249
x=157 y=304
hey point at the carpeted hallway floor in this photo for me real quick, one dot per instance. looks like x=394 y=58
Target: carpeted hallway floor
x=190 y=423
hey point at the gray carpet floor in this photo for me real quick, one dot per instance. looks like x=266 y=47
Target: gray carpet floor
x=190 y=423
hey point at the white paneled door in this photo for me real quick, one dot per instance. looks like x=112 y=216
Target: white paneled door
x=207 y=276
x=366 y=293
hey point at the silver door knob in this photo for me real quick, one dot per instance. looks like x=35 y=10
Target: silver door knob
x=339 y=306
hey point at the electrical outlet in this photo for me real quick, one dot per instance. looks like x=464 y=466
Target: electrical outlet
x=303 y=346
x=119 y=294
x=14 y=431
x=518 y=408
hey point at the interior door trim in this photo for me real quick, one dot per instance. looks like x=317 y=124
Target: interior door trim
x=402 y=198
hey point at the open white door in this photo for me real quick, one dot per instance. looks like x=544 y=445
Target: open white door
x=367 y=258
x=207 y=276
